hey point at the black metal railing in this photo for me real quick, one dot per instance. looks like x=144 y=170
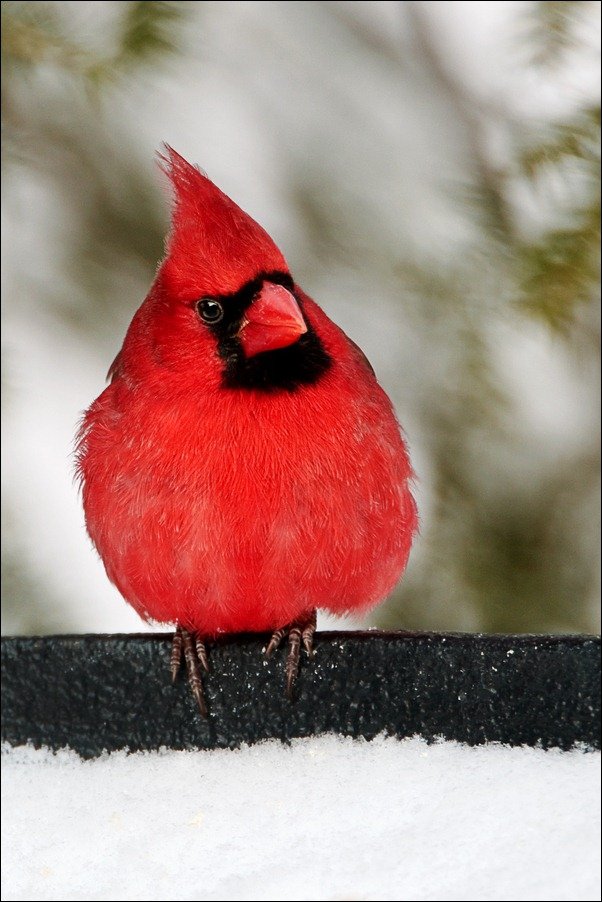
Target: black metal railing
x=100 y=692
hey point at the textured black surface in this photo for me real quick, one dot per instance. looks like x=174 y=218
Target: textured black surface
x=111 y=692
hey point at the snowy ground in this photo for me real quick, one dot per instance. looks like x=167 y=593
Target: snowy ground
x=325 y=819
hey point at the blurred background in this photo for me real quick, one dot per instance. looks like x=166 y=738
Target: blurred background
x=431 y=173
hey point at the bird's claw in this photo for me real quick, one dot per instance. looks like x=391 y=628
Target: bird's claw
x=194 y=653
x=300 y=633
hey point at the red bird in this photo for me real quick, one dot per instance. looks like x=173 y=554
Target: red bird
x=244 y=467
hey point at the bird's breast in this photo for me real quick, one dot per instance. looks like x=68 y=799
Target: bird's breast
x=235 y=504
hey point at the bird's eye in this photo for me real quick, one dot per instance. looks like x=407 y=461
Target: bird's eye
x=210 y=311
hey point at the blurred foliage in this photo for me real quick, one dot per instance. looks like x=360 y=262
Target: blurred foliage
x=510 y=540
x=35 y=34
x=551 y=30
x=30 y=607
x=120 y=214
x=560 y=269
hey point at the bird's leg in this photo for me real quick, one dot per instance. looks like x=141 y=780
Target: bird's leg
x=195 y=654
x=201 y=653
x=301 y=632
x=292 y=659
x=192 y=668
x=176 y=654
x=307 y=636
x=277 y=637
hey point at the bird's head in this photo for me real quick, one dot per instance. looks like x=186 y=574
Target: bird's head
x=224 y=294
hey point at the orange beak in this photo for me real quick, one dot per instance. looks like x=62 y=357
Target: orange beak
x=274 y=320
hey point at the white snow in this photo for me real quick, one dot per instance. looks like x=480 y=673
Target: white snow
x=327 y=819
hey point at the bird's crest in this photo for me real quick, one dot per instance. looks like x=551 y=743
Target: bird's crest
x=214 y=246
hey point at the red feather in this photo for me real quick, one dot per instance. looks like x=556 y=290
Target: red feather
x=223 y=507
x=212 y=243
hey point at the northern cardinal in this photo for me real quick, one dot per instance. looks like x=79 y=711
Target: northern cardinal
x=243 y=467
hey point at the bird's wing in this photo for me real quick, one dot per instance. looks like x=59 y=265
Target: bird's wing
x=361 y=356
x=115 y=369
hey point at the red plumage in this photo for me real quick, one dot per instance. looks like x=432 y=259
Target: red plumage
x=229 y=489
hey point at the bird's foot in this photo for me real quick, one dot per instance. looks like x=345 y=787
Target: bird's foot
x=193 y=650
x=300 y=633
